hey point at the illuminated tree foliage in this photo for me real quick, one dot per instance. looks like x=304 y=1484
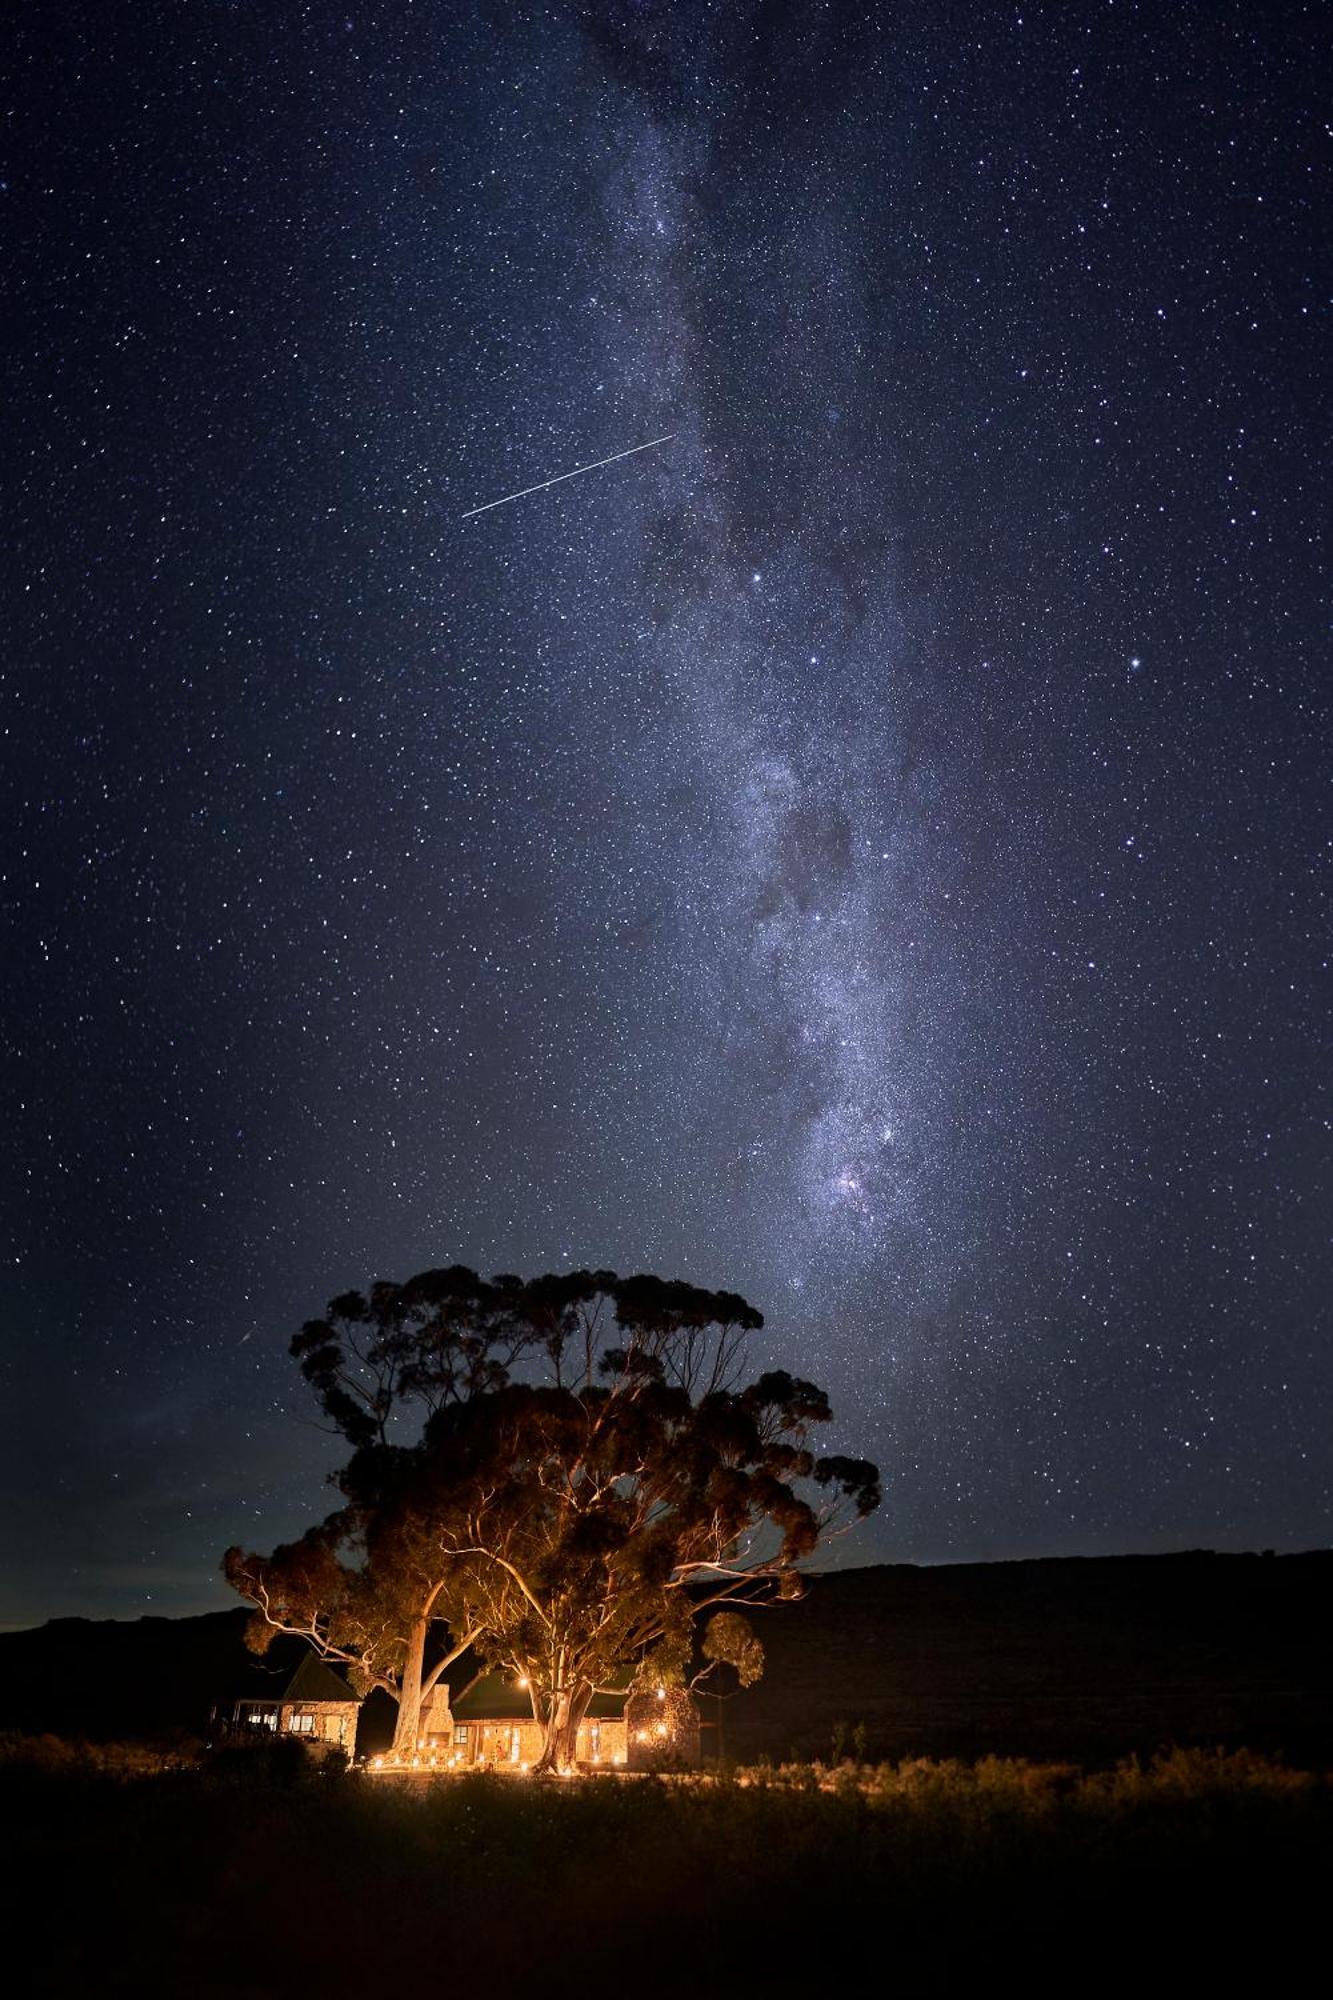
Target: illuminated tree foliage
x=367 y=1587
x=588 y=1477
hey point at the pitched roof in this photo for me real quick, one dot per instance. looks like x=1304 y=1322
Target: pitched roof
x=316 y=1680
x=495 y=1698
x=293 y=1676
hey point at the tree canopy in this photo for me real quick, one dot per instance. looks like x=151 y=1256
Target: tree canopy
x=565 y=1472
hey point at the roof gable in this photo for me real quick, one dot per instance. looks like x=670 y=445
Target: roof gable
x=292 y=1674
x=315 y=1680
x=495 y=1698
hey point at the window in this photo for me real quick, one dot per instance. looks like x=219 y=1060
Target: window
x=595 y=1734
x=262 y=1718
x=460 y=1732
x=301 y=1725
x=515 y=1738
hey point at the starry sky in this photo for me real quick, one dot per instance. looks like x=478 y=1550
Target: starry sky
x=870 y=851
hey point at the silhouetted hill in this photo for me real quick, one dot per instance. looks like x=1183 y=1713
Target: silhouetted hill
x=1092 y=1657
x=108 y=1677
x=1079 y=1658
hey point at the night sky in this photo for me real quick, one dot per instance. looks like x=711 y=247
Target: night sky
x=870 y=851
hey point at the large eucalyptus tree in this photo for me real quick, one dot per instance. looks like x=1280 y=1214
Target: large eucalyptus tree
x=588 y=1476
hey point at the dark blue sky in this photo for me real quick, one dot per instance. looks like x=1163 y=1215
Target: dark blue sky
x=870 y=852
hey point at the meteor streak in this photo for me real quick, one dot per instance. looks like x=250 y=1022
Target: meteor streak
x=542 y=484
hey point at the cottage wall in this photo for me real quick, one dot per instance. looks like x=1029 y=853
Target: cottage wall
x=517 y=1745
x=663 y=1731
x=319 y=1721
x=335 y=1722
x=332 y=1722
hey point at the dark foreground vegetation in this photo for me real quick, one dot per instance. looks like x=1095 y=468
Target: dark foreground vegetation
x=261 y=1875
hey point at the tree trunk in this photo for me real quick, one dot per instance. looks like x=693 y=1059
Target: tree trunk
x=556 y=1750
x=560 y=1730
x=408 y=1727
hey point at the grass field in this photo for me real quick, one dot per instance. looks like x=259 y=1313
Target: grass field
x=1195 y=1872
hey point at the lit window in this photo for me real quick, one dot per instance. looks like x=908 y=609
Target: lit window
x=460 y=1732
x=301 y=1725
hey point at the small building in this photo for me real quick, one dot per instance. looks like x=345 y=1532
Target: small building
x=491 y=1726
x=310 y=1701
x=663 y=1730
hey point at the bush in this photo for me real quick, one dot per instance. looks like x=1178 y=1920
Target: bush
x=255 y=1875
x=57 y=1756
x=283 y=1761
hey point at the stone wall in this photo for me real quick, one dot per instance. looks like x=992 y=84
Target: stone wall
x=517 y=1745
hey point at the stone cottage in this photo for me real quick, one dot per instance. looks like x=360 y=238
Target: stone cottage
x=309 y=1701
x=490 y=1726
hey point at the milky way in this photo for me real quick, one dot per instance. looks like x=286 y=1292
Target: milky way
x=869 y=851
